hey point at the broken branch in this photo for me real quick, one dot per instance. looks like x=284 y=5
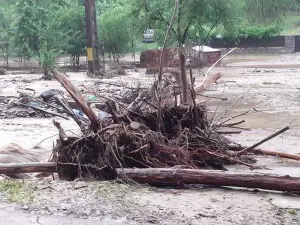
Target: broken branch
x=263 y=141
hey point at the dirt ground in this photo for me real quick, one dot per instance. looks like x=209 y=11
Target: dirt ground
x=270 y=84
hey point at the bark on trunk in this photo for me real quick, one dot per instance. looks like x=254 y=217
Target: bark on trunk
x=184 y=81
x=175 y=177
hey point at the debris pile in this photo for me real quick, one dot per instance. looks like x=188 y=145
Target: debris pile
x=131 y=137
x=28 y=105
x=150 y=137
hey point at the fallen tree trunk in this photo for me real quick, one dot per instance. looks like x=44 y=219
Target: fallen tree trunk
x=175 y=177
x=11 y=168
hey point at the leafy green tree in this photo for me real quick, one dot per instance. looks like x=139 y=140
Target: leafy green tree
x=5 y=33
x=51 y=43
x=70 y=20
x=26 y=27
x=104 y=5
x=114 y=31
x=195 y=13
x=47 y=29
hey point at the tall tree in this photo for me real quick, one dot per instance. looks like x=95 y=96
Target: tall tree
x=70 y=20
x=26 y=27
x=5 y=33
x=200 y=13
x=115 y=30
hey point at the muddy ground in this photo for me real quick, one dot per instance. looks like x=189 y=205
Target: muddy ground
x=270 y=84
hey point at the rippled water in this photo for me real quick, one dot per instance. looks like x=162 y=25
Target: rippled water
x=19 y=137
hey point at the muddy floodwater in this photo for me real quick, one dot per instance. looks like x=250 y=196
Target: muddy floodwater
x=266 y=86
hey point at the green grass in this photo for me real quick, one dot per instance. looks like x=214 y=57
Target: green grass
x=292 y=24
x=17 y=191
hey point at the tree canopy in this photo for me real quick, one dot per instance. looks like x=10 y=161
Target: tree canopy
x=32 y=28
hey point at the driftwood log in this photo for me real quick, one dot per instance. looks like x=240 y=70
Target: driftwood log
x=277 y=154
x=175 y=177
x=12 y=168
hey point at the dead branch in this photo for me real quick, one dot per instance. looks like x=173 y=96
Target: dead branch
x=207 y=83
x=213 y=125
x=193 y=95
x=276 y=154
x=233 y=160
x=65 y=82
x=229 y=132
x=112 y=112
x=70 y=113
x=219 y=60
x=234 y=124
x=62 y=135
x=250 y=148
x=205 y=96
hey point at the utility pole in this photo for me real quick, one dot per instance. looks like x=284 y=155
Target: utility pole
x=91 y=37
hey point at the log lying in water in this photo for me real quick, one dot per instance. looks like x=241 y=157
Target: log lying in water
x=278 y=154
x=11 y=168
x=175 y=177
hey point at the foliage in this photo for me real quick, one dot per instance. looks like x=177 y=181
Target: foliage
x=103 y=6
x=5 y=33
x=266 y=11
x=259 y=31
x=70 y=20
x=50 y=45
x=44 y=29
x=114 y=31
x=26 y=27
x=195 y=14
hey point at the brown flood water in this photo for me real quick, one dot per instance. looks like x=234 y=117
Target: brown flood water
x=273 y=92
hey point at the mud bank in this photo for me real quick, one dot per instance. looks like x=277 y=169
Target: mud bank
x=113 y=203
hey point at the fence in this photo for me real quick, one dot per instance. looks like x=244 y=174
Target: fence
x=276 y=41
x=271 y=45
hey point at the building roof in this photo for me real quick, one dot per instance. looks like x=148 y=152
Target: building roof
x=205 y=49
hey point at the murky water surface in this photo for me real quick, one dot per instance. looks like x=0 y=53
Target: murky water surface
x=273 y=92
